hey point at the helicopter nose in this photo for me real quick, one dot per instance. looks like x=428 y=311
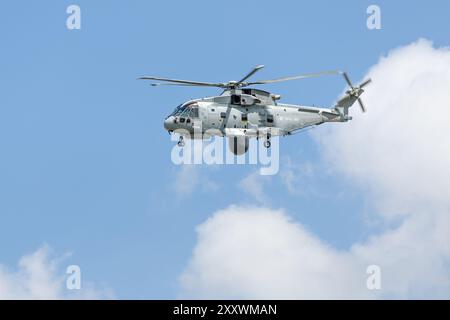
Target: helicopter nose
x=169 y=123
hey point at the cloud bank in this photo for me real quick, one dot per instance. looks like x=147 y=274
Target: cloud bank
x=38 y=276
x=399 y=153
x=400 y=149
x=261 y=253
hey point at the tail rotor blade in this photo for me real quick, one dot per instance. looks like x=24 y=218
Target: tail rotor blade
x=347 y=79
x=361 y=104
x=365 y=83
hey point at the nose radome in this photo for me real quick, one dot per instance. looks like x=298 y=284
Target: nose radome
x=168 y=123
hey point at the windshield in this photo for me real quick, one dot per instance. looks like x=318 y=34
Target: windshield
x=178 y=110
x=186 y=110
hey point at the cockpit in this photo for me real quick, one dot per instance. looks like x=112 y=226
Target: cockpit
x=189 y=109
x=182 y=116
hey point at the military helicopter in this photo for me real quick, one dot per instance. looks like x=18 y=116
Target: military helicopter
x=241 y=113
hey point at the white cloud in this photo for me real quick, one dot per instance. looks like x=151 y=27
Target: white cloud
x=38 y=277
x=190 y=178
x=260 y=253
x=186 y=180
x=399 y=152
x=254 y=184
x=298 y=178
x=400 y=149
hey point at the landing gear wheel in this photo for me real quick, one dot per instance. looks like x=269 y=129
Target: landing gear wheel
x=267 y=144
x=180 y=142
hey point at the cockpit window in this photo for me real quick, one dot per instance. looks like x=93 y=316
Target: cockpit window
x=177 y=110
x=187 y=110
x=194 y=112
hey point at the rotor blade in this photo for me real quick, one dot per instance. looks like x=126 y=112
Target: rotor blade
x=195 y=83
x=347 y=79
x=301 y=76
x=175 y=84
x=254 y=70
x=361 y=104
x=365 y=83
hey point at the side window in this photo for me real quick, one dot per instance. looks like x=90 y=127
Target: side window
x=194 y=113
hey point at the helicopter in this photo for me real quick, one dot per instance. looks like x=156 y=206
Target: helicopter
x=241 y=112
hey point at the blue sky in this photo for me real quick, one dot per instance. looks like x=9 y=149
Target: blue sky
x=85 y=162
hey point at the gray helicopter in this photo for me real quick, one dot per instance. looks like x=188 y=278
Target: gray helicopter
x=241 y=113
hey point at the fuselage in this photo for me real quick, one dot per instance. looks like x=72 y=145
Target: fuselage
x=248 y=111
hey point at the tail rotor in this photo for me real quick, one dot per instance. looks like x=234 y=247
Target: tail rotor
x=355 y=92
